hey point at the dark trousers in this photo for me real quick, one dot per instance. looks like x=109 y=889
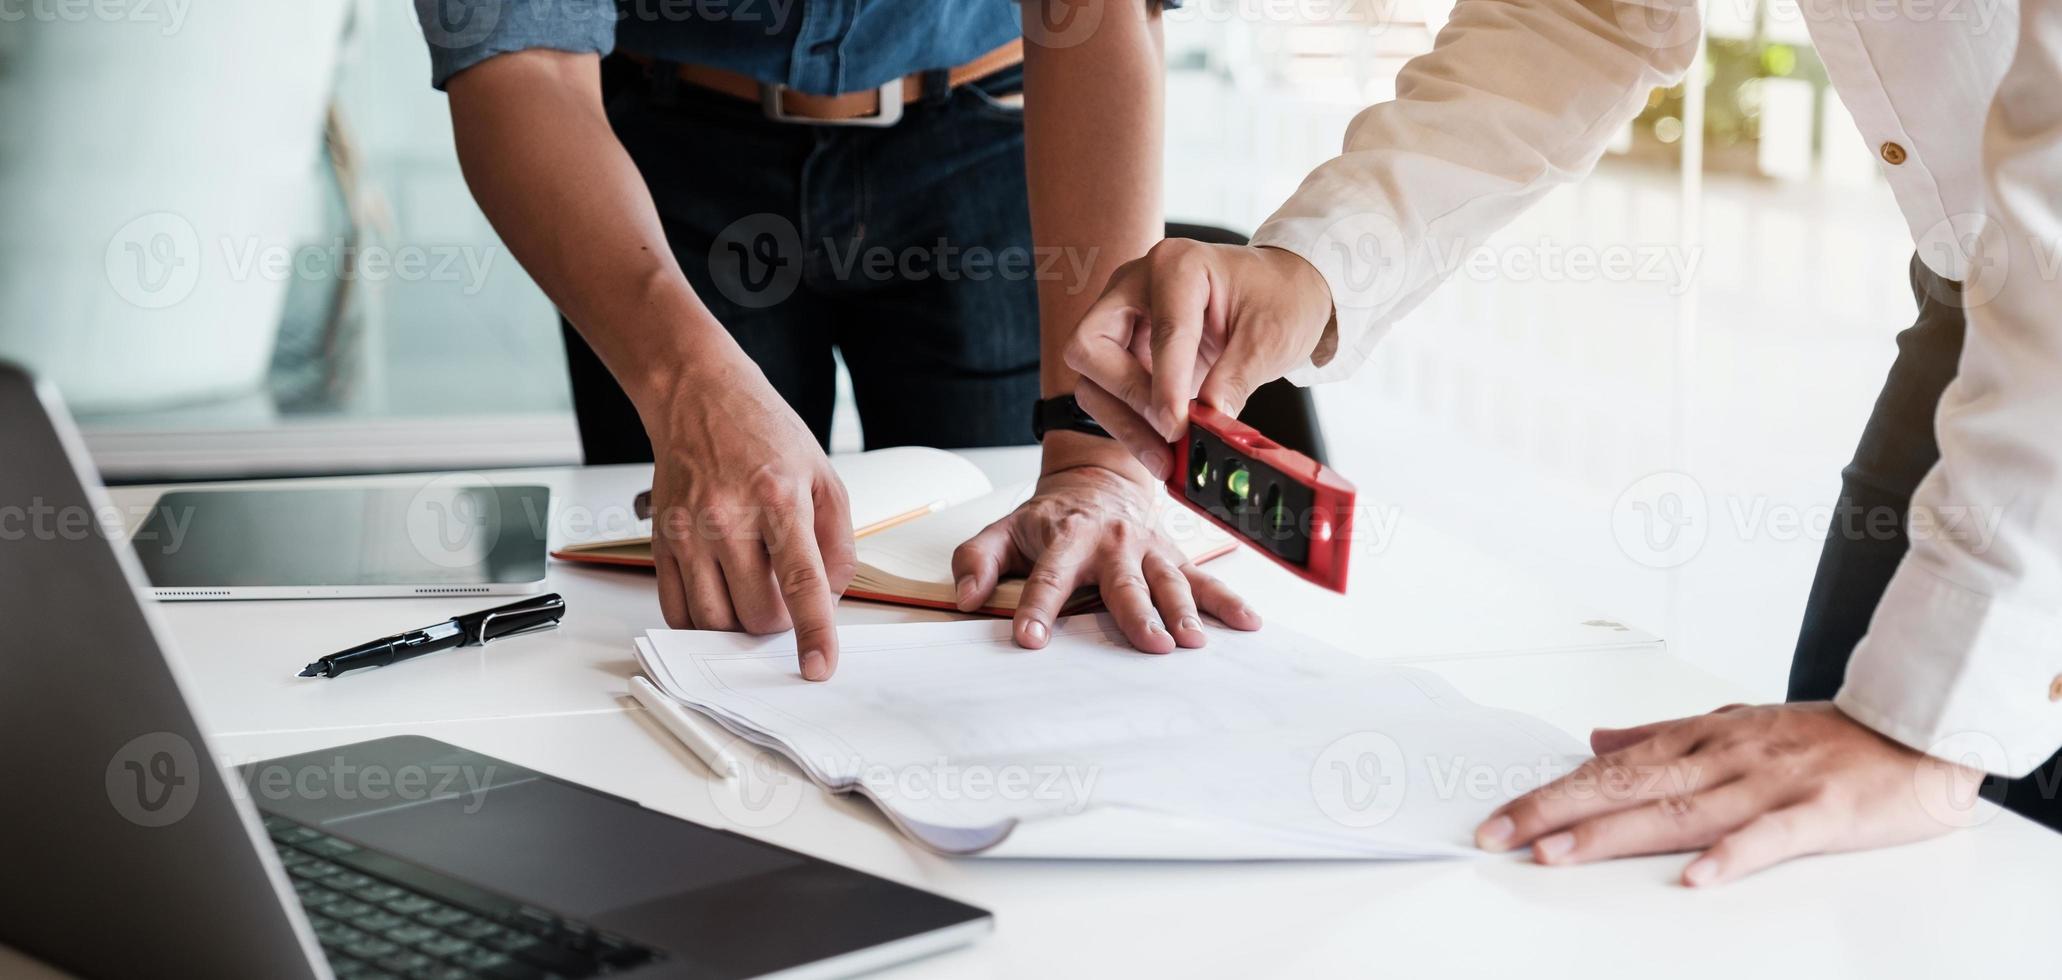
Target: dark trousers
x=1867 y=537
x=907 y=249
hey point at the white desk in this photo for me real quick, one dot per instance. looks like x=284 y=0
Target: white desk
x=1966 y=905
x=1416 y=595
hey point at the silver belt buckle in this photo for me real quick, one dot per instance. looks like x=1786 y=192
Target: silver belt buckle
x=888 y=114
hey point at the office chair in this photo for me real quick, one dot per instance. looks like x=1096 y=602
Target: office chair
x=611 y=432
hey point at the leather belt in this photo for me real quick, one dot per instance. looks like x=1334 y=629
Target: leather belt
x=874 y=107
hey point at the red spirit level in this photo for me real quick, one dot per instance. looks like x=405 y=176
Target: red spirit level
x=1290 y=507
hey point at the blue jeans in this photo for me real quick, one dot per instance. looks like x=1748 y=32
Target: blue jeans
x=1896 y=451
x=907 y=249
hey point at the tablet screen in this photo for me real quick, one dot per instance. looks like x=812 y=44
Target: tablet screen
x=346 y=538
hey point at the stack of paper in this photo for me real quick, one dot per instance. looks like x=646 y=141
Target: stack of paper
x=1261 y=745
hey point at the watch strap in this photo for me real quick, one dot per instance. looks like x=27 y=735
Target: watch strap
x=1063 y=414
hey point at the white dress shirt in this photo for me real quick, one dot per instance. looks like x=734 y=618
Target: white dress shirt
x=1964 y=656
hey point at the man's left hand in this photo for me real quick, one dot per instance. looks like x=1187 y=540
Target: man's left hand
x=1091 y=524
x=1748 y=786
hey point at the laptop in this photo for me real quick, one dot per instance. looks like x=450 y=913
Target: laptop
x=127 y=852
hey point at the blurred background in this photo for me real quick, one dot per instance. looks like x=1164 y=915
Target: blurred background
x=1696 y=332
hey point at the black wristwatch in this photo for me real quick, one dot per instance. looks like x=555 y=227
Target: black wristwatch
x=1062 y=414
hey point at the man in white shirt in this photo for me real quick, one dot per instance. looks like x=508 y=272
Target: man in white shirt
x=1960 y=672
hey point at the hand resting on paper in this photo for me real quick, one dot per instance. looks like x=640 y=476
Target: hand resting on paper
x=1090 y=524
x=1749 y=787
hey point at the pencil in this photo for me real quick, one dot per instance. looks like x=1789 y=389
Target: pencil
x=683 y=726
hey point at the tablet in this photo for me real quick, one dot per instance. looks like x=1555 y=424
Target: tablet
x=440 y=538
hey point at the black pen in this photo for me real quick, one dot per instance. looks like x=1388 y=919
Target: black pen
x=472 y=629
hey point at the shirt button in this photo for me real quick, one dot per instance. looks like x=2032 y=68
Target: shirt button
x=2055 y=688
x=1893 y=154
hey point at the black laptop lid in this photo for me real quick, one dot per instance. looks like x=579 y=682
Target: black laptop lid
x=124 y=854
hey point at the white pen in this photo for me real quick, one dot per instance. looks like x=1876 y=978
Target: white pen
x=691 y=733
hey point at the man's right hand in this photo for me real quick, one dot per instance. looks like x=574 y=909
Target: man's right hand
x=750 y=526
x=1190 y=320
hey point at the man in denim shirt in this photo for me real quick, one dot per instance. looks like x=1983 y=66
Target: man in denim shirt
x=718 y=192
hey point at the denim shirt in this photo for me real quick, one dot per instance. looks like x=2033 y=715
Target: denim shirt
x=819 y=46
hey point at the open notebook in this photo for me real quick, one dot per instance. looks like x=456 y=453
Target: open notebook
x=911 y=507
x=1263 y=745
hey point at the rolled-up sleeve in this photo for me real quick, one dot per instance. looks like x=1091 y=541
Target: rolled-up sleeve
x=1963 y=659
x=463 y=33
x=1515 y=97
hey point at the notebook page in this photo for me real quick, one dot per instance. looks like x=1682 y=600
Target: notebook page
x=887 y=483
x=921 y=550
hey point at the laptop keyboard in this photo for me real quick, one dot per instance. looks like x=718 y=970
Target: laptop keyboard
x=378 y=917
